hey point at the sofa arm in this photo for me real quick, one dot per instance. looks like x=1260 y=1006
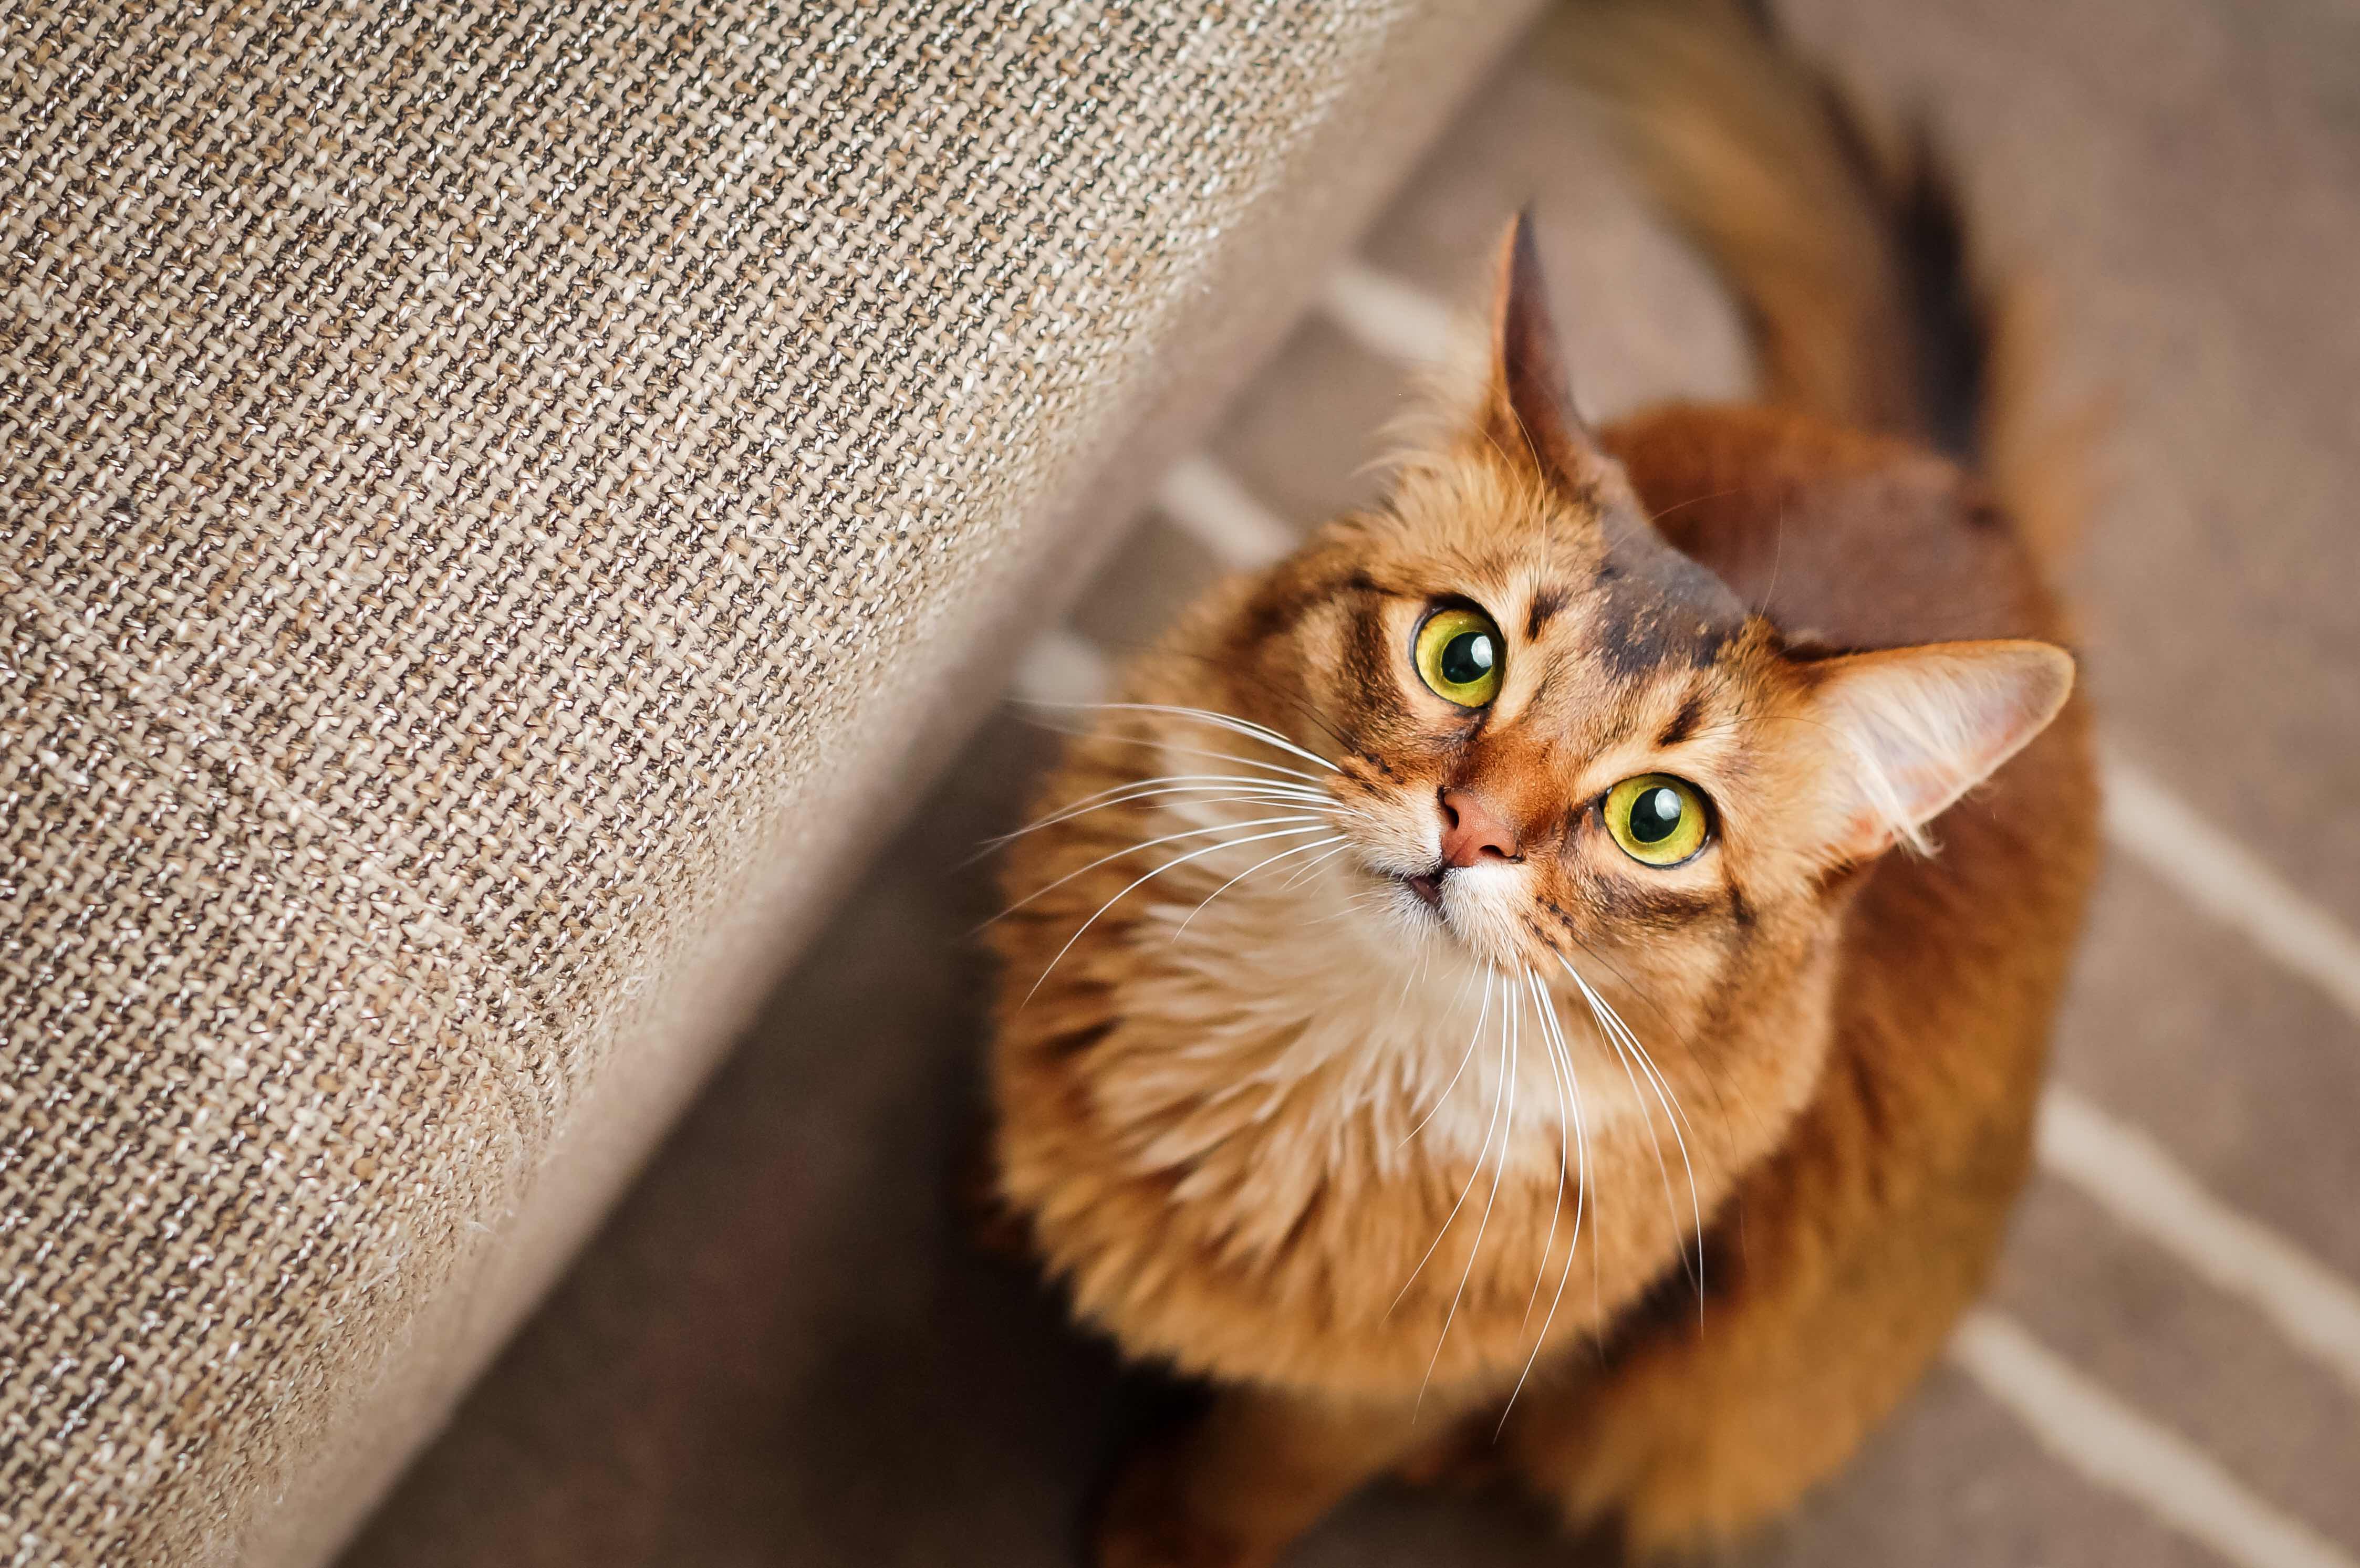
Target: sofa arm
x=499 y=504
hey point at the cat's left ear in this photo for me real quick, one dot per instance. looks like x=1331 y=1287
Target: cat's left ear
x=1527 y=410
x=1915 y=728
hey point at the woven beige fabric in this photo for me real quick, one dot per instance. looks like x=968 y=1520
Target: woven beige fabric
x=489 y=495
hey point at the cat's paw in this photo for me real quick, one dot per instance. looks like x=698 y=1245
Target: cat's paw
x=1144 y=1522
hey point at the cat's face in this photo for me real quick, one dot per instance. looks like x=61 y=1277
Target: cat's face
x=1564 y=745
x=1552 y=745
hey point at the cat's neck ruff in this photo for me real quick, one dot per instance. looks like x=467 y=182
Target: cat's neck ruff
x=1304 y=973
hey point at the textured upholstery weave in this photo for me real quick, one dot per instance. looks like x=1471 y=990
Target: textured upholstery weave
x=489 y=497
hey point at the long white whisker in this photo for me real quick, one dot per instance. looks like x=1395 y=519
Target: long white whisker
x=1555 y=1027
x=1677 y=1116
x=1646 y=1062
x=1308 y=866
x=1257 y=799
x=1664 y=1093
x=1166 y=784
x=1605 y=1012
x=1253 y=779
x=1282 y=855
x=1176 y=860
x=1557 y=1204
x=1662 y=1173
x=1353 y=905
x=1149 y=843
x=1487 y=1129
x=1510 y=1053
x=1165 y=745
x=1229 y=721
x=1482 y=1014
x=1545 y=1006
x=1672 y=1116
x=1250 y=728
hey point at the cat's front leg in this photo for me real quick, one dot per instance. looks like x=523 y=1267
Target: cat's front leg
x=1237 y=1485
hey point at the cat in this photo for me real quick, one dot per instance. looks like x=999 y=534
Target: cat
x=1552 y=978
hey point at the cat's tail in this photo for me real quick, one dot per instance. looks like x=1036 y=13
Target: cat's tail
x=1845 y=243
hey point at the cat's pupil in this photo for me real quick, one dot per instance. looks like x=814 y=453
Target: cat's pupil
x=1654 y=814
x=1468 y=657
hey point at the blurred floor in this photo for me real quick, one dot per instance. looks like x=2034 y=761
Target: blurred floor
x=779 y=1353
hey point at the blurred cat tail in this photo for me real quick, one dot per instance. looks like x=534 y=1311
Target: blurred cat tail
x=1846 y=244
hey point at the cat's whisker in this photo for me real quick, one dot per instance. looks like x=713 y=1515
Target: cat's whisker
x=1556 y=1028
x=1155 y=779
x=1510 y=1054
x=1647 y=1059
x=1399 y=1069
x=1309 y=866
x=1556 y=1204
x=1257 y=865
x=1178 y=860
x=1249 y=728
x=1229 y=721
x=1149 y=843
x=1163 y=784
x=1488 y=1128
x=1254 y=794
x=1654 y=1073
x=1622 y=1056
x=1352 y=906
x=1675 y=1115
x=1482 y=1014
x=1609 y=1019
x=1374 y=896
x=1164 y=744
x=1553 y=1028
x=1648 y=1062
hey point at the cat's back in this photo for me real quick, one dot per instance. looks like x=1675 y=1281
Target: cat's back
x=1953 y=961
x=1859 y=541
x=1851 y=539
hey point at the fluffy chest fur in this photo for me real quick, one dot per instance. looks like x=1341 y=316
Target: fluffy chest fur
x=1274 y=1128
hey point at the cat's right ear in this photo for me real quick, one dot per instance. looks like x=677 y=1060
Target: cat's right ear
x=1527 y=411
x=1915 y=728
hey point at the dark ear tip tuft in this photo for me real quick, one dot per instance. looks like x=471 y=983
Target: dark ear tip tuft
x=1519 y=237
x=1520 y=280
x=1529 y=409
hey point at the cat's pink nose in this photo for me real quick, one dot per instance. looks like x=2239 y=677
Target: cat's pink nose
x=1471 y=831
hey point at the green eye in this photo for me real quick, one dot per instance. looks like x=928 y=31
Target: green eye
x=1658 y=819
x=1458 y=656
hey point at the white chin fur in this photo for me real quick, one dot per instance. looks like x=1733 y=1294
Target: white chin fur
x=1403 y=1007
x=1477 y=910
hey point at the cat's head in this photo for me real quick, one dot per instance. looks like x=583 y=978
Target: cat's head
x=1559 y=735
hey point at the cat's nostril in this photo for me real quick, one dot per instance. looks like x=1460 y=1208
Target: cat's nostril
x=1473 y=831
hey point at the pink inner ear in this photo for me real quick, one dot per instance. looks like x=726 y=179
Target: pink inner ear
x=1920 y=727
